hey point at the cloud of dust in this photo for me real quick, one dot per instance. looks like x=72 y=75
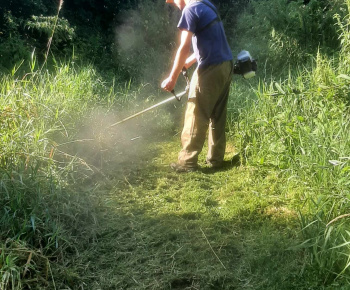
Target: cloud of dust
x=145 y=46
x=124 y=147
x=126 y=36
x=146 y=41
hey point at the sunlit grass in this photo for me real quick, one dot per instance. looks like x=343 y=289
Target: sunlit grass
x=300 y=126
x=43 y=200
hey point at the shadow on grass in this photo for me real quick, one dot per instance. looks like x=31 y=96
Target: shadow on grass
x=156 y=229
x=148 y=239
x=190 y=251
x=227 y=165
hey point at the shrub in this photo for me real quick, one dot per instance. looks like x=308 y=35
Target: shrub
x=41 y=28
x=13 y=47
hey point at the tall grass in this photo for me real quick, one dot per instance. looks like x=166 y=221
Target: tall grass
x=47 y=188
x=301 y=126
x=40 y=214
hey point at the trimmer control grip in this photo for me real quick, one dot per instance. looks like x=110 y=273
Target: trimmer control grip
x=176 y=97
x=184 y=73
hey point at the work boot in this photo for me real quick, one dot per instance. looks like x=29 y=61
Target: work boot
x=181 y=168
x=214 y=165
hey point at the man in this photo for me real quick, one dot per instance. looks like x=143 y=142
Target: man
x=210 y=84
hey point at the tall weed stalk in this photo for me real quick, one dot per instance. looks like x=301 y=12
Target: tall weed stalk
x=53 y=31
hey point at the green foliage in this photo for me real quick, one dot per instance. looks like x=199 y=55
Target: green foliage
x=301 y=126
x=13 y=48
x=344 y=36
x=44 y=24
x=52 y=144
x=27 y=25
x=207 y=229
x=285 y=34
x=37 y=111
x=23 y=36
x=9 y=271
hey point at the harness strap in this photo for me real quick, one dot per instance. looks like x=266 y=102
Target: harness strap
x=211 y=23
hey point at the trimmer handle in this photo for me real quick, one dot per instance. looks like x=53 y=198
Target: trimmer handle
x=177 y=97
x=184 y=73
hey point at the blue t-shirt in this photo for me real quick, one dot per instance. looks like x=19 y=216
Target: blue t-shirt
x=210 y=45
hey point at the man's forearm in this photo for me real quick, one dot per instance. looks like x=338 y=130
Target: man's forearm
x=179 y=62
x=190 y=60
x=181 y=55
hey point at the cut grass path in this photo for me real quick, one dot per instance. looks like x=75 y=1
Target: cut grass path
x=228 y=229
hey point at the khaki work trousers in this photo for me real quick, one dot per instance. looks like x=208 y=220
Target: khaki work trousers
x=206 y=108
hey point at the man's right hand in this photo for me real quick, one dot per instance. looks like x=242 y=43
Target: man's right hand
x=168 y=84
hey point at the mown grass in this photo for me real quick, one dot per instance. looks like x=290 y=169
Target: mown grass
x=229 y=229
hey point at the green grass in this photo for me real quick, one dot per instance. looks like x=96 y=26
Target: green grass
x=236 y=228
x=89 y=206
x=301 y=127
x=86 y=205
x=46 y=206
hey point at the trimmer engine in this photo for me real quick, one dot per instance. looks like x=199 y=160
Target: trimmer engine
x=245 y=65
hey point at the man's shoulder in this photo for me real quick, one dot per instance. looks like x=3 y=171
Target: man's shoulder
x=192 y=5
x=196 y=14
x=197 y=3
x=190 y=10
x=199 y=7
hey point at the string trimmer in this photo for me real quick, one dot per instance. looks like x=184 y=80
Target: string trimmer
x=175 y=96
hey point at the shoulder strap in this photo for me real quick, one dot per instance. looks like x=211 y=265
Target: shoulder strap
x=211 y=23
x=211 y=7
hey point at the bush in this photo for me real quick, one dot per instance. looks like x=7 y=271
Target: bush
x=41 y=29
x=13 y=47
